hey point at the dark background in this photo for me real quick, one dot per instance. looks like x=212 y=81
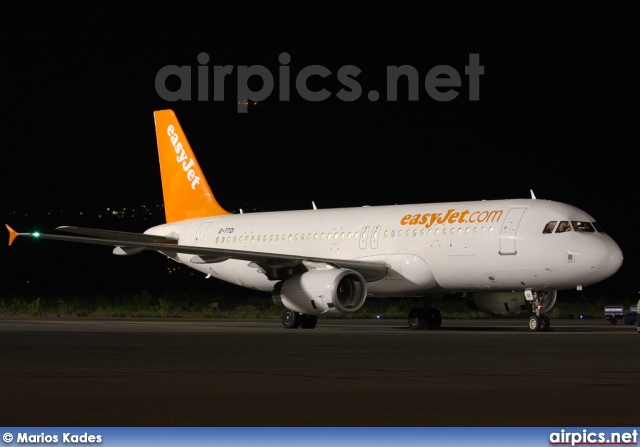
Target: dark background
x=557 y=115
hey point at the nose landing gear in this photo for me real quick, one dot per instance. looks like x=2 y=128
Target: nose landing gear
x=537 y=322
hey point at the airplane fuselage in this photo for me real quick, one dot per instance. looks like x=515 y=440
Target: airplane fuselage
x=462 y=246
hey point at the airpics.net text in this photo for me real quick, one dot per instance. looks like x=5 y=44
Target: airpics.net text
x=441 y=82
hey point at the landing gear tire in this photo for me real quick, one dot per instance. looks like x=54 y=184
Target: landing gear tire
x=417 y=318
x=545 y=323
x=534 y=323
x=540 y=301
x=308 y=321
x=434 y=319
x=290 y=319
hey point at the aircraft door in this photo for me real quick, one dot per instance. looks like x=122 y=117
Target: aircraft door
x=364 y=235
x=509 y=230
x=202 y=229
x=375 y=235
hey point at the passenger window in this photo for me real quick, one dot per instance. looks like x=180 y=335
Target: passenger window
x=548 y=228
x=563 y=227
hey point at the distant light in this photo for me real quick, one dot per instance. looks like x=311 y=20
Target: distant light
x=378 y=317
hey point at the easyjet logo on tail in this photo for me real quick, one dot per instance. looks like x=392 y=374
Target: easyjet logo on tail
x=182 y=157
x=451 y=217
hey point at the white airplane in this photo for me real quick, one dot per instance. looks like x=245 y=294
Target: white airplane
x=509 y=257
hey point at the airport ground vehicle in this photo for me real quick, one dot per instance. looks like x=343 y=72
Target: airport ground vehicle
x=615 y=314
x=631 y=317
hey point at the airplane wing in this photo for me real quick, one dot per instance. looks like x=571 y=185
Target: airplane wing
x=127 y=243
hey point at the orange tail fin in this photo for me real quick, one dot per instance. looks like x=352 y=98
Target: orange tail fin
x=185 y=190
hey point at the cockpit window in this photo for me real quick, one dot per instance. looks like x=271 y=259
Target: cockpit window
x=564 y=227
x=583 y=226
x=576 y=225
x=548 y=228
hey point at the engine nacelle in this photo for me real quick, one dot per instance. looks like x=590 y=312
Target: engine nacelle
x=508 y=304
x=322 y=291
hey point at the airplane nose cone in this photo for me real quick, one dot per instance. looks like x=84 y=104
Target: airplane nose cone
x=605 y=256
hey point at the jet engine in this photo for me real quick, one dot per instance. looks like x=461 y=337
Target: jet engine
x=509 y=304
x=322 y=291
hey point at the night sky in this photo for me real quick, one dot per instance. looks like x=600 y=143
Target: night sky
x=556 y=114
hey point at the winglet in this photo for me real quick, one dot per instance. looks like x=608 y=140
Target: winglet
x=12 y=234
x=186 y=192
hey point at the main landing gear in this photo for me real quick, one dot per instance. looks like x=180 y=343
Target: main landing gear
x=420 y=318
x=294 y=320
